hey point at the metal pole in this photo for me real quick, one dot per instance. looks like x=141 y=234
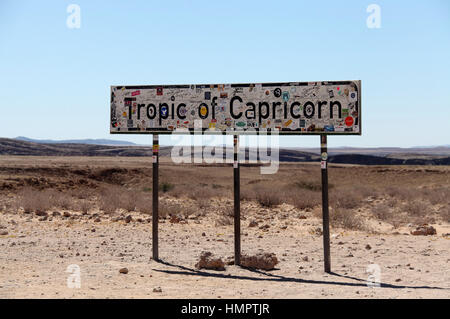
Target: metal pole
x=325 y=212
x=237 y=208
x=155 y=187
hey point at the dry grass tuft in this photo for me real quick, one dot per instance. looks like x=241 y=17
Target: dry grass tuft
x=305 y=200
x=346 y=199
x=416 y=208
x=268 y=198
x=347 y=219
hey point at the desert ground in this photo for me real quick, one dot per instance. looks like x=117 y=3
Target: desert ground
x=95 y=212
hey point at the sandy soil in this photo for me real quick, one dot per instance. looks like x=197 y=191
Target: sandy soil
x=35 y=253
x=34 y=257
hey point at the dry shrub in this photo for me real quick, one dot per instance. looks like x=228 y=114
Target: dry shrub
x=392 y=202
x=188 y=210
x=227 y=210
x=382 y=212
x=444 y=213
x=61 y=200
x=32 y=200
x=386 y=213
x=268 y=197
x=203 y=203
x=416 y=208
x=347 y=219
x=248 y=194
x=204 y=193
x=168 y=208
x=166 y=187
x=43 y=200
x=224 y=221
x=305 y=200
x=128 y=200
x=110 y=199
x=81 y=193
x=438 y=195
x=346 y=199
x=366 y=191
x=315 y=186
x=402 y=193
x=84 y=206
x=144 y=204
x=225 y=216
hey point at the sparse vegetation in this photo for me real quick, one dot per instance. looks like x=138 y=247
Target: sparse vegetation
x=267 y=198
x=306 y=200
x=416 y=208
x=396 y=195
x=382 y=212
x=347 y=219
x=315 y=186
x=166 y=187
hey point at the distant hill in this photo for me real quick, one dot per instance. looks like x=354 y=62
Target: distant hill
x=82 y=141
x=396 y=156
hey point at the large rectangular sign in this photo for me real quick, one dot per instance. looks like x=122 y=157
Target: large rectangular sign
x=290 y=108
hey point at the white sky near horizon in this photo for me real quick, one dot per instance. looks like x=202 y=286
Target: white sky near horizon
x=55 y=81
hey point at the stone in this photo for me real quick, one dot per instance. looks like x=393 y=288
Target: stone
x=3 y=232
x=253 y=223
x=424 y=230
x=123 y=271
x=229 y=261
x=157 y=289
x=41 y=213
x=128 y=219
x=368 y=247
x=265 y=261
x=174 y=219
x=66 y=214
x=208 y=261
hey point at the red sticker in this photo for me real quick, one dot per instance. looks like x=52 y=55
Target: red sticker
x=349 y=121
x=135 y=93
x=159 y=91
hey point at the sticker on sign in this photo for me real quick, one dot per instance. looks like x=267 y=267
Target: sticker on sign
x=253 y=108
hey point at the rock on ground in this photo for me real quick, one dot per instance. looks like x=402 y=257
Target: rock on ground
x=265 y=261
x=123 y=270
x=424 y=230
x=207 y=261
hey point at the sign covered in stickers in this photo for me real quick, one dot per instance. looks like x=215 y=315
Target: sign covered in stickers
x=289 y=108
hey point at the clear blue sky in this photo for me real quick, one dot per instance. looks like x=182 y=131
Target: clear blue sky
x=55 y=80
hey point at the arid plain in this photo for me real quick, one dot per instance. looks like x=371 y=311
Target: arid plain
x=95 y=212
